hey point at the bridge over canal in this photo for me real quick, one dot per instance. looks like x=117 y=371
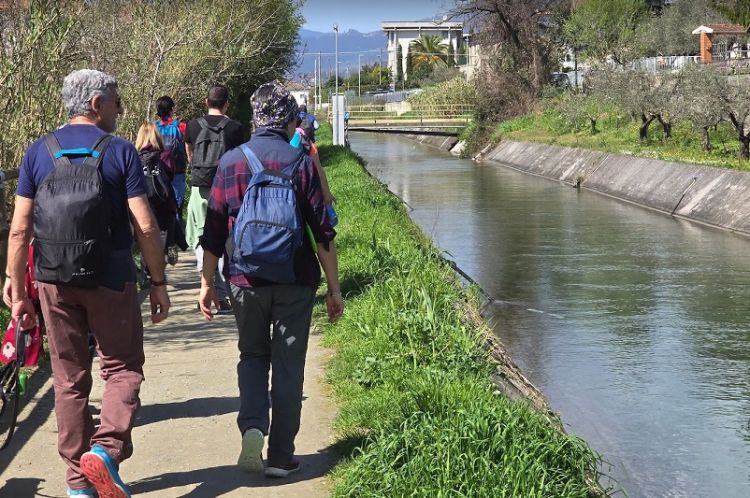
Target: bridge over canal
x=443 y=120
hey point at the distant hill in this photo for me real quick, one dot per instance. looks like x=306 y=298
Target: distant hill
x=311 y=42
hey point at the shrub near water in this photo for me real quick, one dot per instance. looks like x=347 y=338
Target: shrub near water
x=419 y=415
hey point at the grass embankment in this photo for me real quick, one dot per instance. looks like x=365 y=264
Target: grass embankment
x=619 y=136
x=419 y=415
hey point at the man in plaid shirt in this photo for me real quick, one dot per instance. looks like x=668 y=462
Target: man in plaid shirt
x=260 y=304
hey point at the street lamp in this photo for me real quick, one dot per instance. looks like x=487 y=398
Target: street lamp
x=359 y=75
x=336 y=29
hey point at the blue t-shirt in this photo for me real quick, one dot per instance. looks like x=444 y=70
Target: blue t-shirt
x=122 y=177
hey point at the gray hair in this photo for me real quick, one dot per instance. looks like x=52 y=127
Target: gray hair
x=81 y=86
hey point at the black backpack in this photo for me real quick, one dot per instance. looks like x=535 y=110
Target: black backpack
x=71 y=218
x=208 y=148
x=157 y=181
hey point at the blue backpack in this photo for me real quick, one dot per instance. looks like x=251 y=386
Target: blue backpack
x=173 y=140
x=268 y=228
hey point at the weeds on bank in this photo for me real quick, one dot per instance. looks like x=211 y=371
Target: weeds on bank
x=419 y=415
x=619 y=136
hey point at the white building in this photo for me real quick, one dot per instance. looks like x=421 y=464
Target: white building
x=404 y=32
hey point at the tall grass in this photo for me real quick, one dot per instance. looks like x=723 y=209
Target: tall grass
x=419 y=415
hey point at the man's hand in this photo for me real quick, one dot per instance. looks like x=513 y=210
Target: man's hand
x=206 y=298
x=24 y=312
x=159 y=303
x=7 y=293
x=335 y=306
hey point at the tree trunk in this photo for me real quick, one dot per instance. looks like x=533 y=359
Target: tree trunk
x=742 y=136
x=643 y=130
x=666 y=128
x=706 y=141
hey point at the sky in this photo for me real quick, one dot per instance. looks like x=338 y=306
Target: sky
x=366 y=15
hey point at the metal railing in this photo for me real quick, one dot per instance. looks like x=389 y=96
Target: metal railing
x=663 y=63
x=422 y=115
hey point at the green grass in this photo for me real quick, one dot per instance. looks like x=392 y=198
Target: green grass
x=620 y=136
x=418 y=413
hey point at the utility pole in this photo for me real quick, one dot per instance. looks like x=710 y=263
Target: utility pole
x=359 y=75
x=320 y=82
x=380 y=67
x=336 y=68
x=315 y=84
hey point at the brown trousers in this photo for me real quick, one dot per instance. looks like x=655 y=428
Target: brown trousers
x=115 y=320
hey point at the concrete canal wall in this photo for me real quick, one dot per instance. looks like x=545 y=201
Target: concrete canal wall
x=713 y=196
x=434 y=141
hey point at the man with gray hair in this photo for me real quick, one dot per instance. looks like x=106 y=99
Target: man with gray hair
x=79 y=189
x=263 y=303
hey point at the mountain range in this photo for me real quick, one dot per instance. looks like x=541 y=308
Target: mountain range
x=351 y=44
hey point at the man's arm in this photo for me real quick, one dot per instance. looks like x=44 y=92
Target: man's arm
x=329 y=262
x=189 y=151
x=149 y=241
x=21 y=230
x=207 y=295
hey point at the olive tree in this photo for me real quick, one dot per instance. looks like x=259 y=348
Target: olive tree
x=737 y=102
x=704 y=91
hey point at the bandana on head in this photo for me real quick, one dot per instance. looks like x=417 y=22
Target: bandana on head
x=275 y=112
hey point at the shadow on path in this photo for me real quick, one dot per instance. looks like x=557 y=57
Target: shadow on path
x=29 y=422
x=192 y=408
x=216 y=481
x=25 y=487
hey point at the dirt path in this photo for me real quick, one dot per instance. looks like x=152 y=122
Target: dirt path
x=186 y=440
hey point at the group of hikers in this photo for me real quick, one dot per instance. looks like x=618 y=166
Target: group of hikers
x=260 y=221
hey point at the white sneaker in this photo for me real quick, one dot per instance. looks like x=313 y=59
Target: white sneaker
x=251 y=459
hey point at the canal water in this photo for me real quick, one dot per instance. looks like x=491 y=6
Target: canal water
x=635 y=326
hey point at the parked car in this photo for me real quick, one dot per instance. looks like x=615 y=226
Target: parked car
x=560 y=80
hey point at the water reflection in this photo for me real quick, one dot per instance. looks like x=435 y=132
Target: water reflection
x=633 y=324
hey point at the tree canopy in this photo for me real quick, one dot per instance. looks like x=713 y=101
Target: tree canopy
x=607 y=29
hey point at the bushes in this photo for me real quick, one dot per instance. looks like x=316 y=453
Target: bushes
x=153 y=48
x=456 y=93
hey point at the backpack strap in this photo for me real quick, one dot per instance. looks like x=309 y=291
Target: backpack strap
x=219 y=126
x=223 y=123
x=97 y=155
x=60 y=155
x=53 y=146
x=252 y=160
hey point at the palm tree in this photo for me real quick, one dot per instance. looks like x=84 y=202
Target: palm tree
x=429 y=50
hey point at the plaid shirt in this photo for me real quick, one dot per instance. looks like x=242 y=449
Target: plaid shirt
x=231 y=182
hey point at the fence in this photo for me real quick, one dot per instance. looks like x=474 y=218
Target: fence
x=663 y=63
x=422 y=115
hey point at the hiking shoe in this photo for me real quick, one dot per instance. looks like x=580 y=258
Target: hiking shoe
x=82 y=493
x=172 y=255
x=250 y=459
x=101 y=471
x=283 y=470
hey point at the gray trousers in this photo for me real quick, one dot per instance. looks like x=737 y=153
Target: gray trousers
x=274 y=326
